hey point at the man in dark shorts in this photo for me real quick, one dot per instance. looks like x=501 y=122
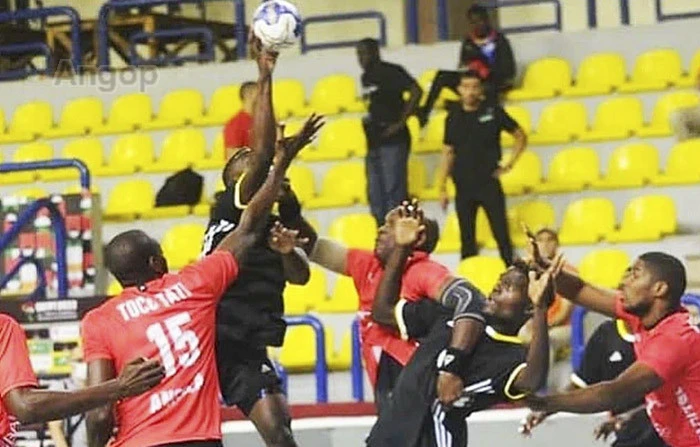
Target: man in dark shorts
x=249 y=316
x=498 y=368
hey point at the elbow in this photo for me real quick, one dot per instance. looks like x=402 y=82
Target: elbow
x=26 y=413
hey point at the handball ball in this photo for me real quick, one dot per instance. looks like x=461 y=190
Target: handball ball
x=277 y=24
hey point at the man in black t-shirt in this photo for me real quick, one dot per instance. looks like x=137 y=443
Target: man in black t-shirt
x=472 y=157
x=388 y=140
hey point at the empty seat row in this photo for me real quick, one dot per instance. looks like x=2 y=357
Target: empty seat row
x=332 y=94
x=602 y=73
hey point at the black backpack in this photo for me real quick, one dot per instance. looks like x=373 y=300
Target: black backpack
x=182 y=188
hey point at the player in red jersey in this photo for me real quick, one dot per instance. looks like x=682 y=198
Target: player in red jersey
x=23 y=403
x=172 y=316
x=667 y=345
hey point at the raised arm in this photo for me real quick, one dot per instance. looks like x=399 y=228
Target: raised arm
x=330 y=255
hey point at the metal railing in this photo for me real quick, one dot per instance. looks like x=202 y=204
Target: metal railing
x=39 y=291
x=332 y=18
x=38 y=48
x=103 y=63
x=207 y=39
x=356 y=370
x=578 y=335
x=662 y=17
x=321 y=368
x=57 y=163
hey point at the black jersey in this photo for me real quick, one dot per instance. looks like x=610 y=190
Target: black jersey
x=608 y=353
x=251 y=309
x=412 y=413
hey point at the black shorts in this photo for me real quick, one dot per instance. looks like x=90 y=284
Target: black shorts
x=213 y=443
x=246 y=375
x=388 y=372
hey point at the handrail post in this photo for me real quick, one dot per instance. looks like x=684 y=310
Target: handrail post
x=412 y=21
x=443 y=25
x=625 y=12
x=40 y=290
x=592 y=14
x=321 y=369
x=578 y=335
x=358 y=392
x=56 y=163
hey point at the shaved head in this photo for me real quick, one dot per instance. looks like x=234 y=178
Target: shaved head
x=134 y=258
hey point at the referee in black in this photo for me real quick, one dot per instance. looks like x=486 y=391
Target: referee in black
x=472 y=157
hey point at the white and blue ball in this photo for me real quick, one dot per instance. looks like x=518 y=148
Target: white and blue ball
x=277 y=23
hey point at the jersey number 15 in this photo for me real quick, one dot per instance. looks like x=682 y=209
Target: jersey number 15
x=185 y=343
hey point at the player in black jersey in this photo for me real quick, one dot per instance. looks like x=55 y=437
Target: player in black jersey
x=249 y=316
x=499 y=368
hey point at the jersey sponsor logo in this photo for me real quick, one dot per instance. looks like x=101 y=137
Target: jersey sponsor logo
x=161 y=399
x=688 y=411
x=144 y=305
x=486 y=118
x=222 y=227
x=444 y=359
x=615 y=357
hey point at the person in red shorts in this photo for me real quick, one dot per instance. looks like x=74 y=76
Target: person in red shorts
x=173 y=317
x=384 y=351
x=237 y=131
x=23 y=403
x=667 y=345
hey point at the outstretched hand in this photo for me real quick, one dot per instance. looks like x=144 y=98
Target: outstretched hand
x=265 y=57
x=283 y=240
x=535 y=259
x=408 y=228
x=138 y=376
x=532 y=420
x=540 y=287
x=289 y=147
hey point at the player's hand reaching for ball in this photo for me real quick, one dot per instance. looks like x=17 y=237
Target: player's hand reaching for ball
x=138 y=376
x=541 y=288
x=289 y=147
x=265 y=57
x=283 y=240
x=408 y=228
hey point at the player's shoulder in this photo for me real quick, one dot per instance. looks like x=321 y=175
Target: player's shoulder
x=681 y=324
x=7 y=323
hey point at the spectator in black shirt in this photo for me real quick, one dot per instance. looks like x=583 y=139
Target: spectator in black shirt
x=388 y=140
x=484 y=50
x=472 y=157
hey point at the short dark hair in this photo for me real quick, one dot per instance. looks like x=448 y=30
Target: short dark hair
x=548 y=231
x=245 y=88
x=127 y=257
x=478 y=11
x=369 y=44
x=432 y=235
x=670 y=270
x=228 y=175
x=470 y=74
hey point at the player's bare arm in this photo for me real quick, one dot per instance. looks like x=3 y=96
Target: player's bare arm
x=287 y=242
x=630 y=387
x=264 y=131
x=330 y=255
x=572 y=287
x=30 y=405
x=541 y=293
x=447 y=161
x=100 y=421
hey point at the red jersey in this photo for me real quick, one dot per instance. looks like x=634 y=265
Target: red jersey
x=422 y=277
x=15 y=372
x=238 y=129
x=672 y=350
x=173 y=319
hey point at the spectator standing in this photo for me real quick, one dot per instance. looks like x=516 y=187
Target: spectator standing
x=686 y=122
x=388 y=140
x=485 y=51
x=237 y=131
x=471 y=156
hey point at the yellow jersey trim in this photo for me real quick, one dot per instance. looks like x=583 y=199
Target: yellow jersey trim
x=514 y=375
x=493 y=333
x=400 y=323
x=624 y=333
x=237 y=202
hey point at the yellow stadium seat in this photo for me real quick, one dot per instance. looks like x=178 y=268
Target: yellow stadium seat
x=417 y=177
x=525 y=175
x=616 y=119
x=691 y=78
x=87 y=150
x=128 y=112
x=177 y=108
x=646 y=218
x=217 y=159
x=544 y=78
x=340 y=359
x=660 y=125
x=76 y=188
x=587 y=221
x=225 y=102
x=536 y=214
x=354 y=230
x=482 y=271
x=334 y=94
x=414 y=131
x=135 y=198
x=343 y=185
x=7 y=138
x=598 y=74
x=630 y=166
x=683 y=165
x=344 y=298
x=302 y=180
x=522 y=116
x=78 y=117
x=132 y=152
x=298 y=353
x=300 y=299
x=182 y=244
x=33 y=118
x=426 y=81
x=449 y=235
x=32 y=192
x=561 y=122
x=288 y=98
x=181 y=148
x=433 y=137
x=27 y=153
x=433 y=193
x=654 y=70
x=604 y=268
x=338 y=139
x=114 y=288
x=571 y=170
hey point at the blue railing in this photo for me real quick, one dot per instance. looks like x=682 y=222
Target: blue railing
x=38 y=48
x=356 y=370
x=662 y=17
x=321 y=369
x=103 y=25
x=42 y=13
x=578 y=336
x=59 y=227
x=593 y=13
x=39 y=291
x=332 y=18
x=57 y=163
x=207 y=38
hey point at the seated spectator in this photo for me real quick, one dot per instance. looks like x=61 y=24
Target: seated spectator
x=237 y=130
x=484 y=51
x=686 y=122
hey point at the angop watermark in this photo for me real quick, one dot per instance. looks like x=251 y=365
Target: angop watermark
x=142 y=77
